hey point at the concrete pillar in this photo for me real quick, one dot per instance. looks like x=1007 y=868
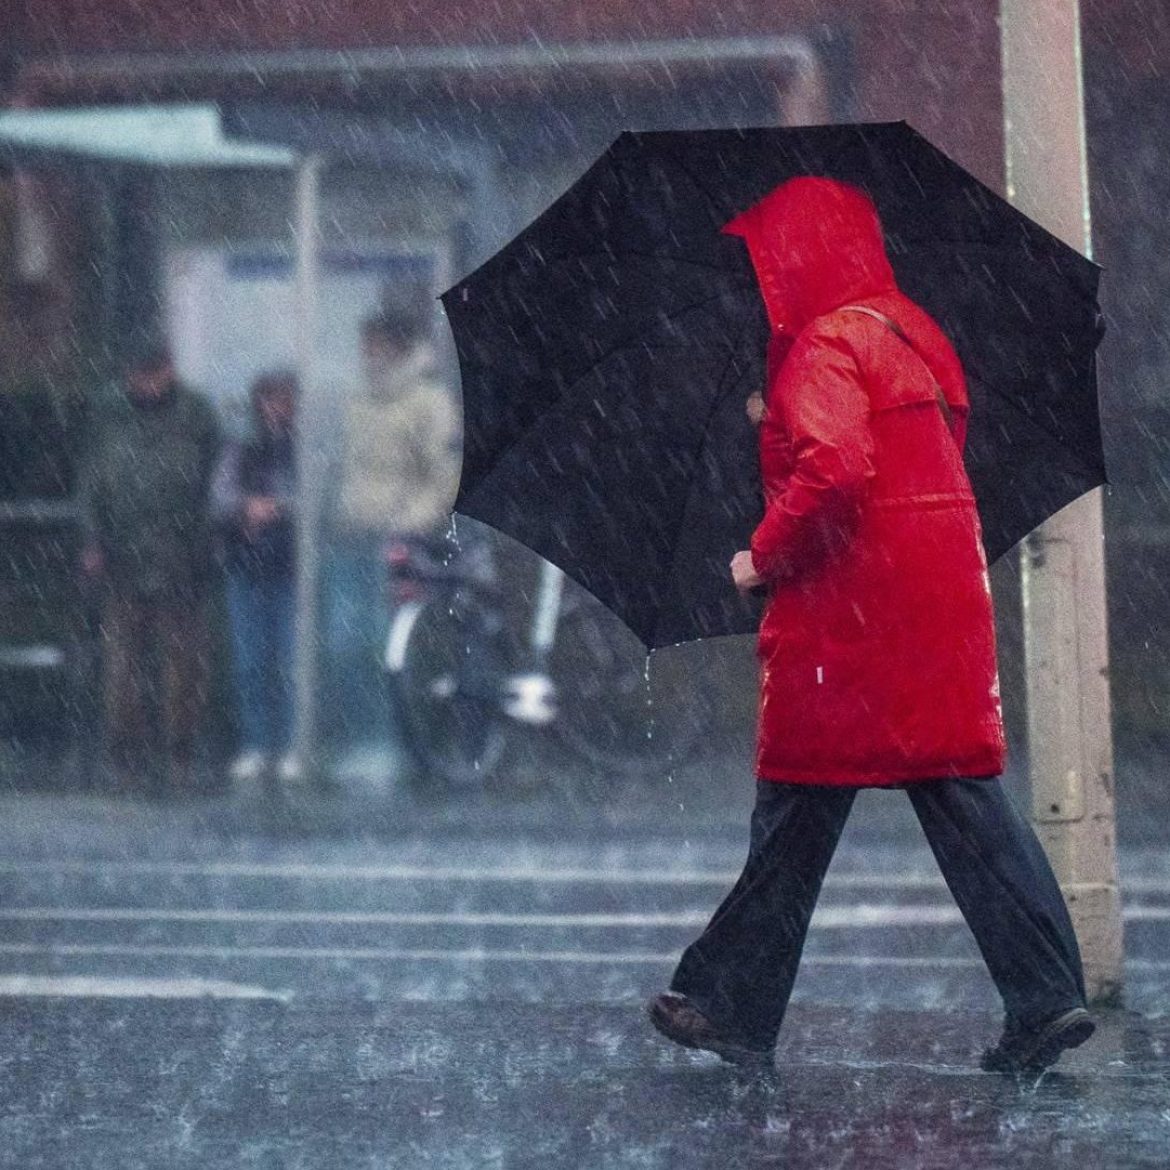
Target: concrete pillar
x=1067 y=655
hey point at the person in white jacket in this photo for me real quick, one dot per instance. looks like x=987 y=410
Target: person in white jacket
x=400 y=459
x=397 y=474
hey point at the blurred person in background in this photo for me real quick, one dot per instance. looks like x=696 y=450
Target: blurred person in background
x=144 y=490
x=254 y=499
x=399 y=468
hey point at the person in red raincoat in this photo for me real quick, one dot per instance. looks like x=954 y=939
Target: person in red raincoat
x=877 y=645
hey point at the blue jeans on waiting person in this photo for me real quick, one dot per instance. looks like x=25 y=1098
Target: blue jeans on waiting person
x=355 y=711
x=261 y=608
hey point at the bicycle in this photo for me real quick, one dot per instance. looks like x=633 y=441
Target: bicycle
x=462 y=679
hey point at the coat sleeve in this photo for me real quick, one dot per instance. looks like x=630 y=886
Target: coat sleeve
x=820 y=400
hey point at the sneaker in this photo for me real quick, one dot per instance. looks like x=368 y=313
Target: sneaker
x=679 y=1020
x=1032 y=1050
x=247 y=766
x=291 y=769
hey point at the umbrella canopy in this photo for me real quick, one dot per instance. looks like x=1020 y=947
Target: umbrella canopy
x=608 y=350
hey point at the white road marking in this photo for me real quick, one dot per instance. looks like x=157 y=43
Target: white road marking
x=860 y=916
x=825 y=917
x=394 y=954
x=1146 y=913
x=103 y=987
x=870 y=879
x=345 y=954
x=384 y=873
x=352 y=917
x=477 y=955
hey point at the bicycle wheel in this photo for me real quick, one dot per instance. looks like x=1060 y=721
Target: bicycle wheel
x=446 y=665
x=615 y=708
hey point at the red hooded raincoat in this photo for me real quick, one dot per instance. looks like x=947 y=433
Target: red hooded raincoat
x=877 y=645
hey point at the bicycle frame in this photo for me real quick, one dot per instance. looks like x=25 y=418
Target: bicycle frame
x=530 y=695
x=560 y=667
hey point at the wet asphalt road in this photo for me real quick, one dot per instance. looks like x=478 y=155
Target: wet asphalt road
x=350 y=982
x=321 y=1083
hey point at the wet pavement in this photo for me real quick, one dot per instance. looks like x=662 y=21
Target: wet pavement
x=369 y=981
x=102 y=1083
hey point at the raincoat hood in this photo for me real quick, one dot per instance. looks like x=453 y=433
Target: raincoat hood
x=815 y=244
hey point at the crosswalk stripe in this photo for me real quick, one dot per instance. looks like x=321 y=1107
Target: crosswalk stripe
x=912 y=880
x=104 y=987
x=473 y=955
x=862 y=916
x=829 y=916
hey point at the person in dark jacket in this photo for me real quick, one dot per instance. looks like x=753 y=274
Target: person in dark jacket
x=255 y=504
x=877 y=645
x=144 y=485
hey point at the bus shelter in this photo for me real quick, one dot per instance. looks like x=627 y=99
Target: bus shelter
x=280 y=209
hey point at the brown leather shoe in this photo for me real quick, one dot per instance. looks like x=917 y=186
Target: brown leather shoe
x=679 y=1020
x=1032 y=1050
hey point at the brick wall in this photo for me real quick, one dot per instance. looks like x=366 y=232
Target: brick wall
x=135 y=25
x=910 y=58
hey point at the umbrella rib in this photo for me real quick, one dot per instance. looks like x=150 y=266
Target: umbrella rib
x=626 y=254
x=717 y=398
x=619 y=345
x=1015 y=406
x=714 y=202
x=699 y=185
x=568 y=391
x=514 y=443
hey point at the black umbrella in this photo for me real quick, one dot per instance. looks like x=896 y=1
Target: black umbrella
x=607 y=351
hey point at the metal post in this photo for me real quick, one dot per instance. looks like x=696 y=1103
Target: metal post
x=104 y=319
x=804 y=101
x=1067 y=655
x=310 y=462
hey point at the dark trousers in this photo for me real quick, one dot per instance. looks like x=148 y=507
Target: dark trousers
x=740 y=971
x=155 y=645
